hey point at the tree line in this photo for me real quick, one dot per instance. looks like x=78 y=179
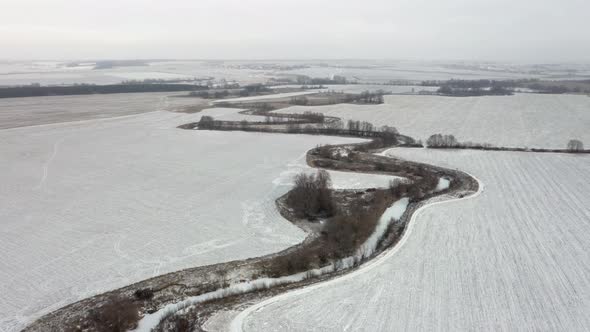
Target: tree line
x=88 y=89
x=306 y=80
x=307 y=123
x=365 y=97
x=440 y=141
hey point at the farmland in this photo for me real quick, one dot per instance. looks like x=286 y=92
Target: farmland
x=245 y=166
x=522 y=120
x=514 y=257
x=112 y=200
x=95 y=205
x=20 y=112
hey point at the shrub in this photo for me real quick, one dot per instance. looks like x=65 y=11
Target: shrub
x=206 y=122
x=178 y=323
x=442 y=141
x=312 y=197
x=290 y=264
x=144 y=294
x=574 y=145
x=117 y=314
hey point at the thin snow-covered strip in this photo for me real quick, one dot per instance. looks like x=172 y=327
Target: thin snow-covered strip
x=394 y=212
x=150 y=321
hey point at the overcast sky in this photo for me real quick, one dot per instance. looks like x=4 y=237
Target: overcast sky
x=504 y=30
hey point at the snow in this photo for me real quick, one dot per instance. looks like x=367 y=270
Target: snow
x=56 y=74
x=364 y=71
x=94 y=205
x=514 y=257
x=522 y=120
x=19 y=112
x=393 y=213
x=340 y=180
x=443 y=184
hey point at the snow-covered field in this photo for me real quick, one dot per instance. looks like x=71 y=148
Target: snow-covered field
x=405 y=71
x=89 y=206
x=516 y=257
x=55 y=72
x=52 y=73
x=20 y=112
x=522 y=120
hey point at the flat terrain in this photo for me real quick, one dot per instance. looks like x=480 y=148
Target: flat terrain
x=522 y=120
x=55 y=73
x=90 y=206
x=516 y=257
x=20 y=112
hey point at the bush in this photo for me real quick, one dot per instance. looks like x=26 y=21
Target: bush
x=442 y=141
x=118 y=314
x=575 y=145
x=398 y=187
x=294 y=263
x=299 y=100
x=144 y=294
x=178 y=323
x=206 y=122
x=312 y=197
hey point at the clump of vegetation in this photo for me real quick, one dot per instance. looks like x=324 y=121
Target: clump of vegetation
x=208 y=122
x=575 y=145
x=117 y=314
x=311 y=197
x=306 y=80
x=442 y=141
x=449 y=141
x=186 y=322
x=299 y=101
x=144 y=294
x=254 y=89
x=473 y=88
x=300 y=261
x=346 y=232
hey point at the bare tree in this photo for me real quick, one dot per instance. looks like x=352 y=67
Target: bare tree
x=206 y=122
x=366 y=126
x=311 y=196
x=293 y=127
x=353 y=125
x=574 y=145
x=389 y=129
x=335 y=125
x=442 y=141
x=244 y=124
